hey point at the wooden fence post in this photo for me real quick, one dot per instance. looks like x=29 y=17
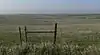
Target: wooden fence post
x=20 y=34
x=26 y=33
x=55 y=33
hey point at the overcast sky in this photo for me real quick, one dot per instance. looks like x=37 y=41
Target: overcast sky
x=49 y=6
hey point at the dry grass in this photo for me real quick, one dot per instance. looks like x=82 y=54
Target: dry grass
x=48 y=48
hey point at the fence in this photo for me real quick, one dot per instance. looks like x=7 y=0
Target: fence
x=27 y=32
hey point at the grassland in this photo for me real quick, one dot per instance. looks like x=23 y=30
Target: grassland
x=82 y=30
x=67 y=24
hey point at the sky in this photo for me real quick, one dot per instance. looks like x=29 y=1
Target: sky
x=49 y=6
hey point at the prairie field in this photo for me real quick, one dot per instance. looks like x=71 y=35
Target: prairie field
x=77 y=31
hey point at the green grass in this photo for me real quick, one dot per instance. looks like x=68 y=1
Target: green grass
x=65 y=33
x=47 y=48
x=76 y=35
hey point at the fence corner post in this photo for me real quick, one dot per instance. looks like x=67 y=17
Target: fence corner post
x=20 y=34
x=55 y=33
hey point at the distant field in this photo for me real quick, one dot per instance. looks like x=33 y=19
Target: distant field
x=67 y=26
